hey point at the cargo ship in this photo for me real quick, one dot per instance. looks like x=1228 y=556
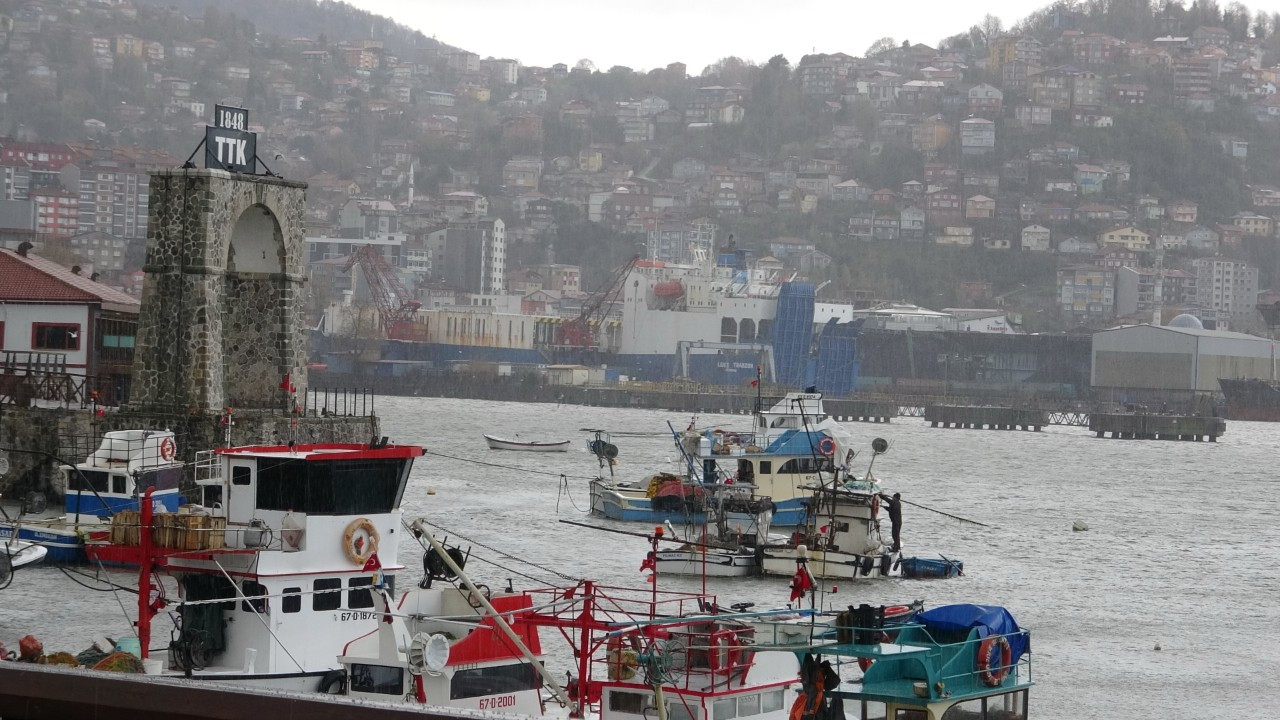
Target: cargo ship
x=1251 y=399
x=722 y=321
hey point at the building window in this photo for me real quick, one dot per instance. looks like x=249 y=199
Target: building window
x=55 y=336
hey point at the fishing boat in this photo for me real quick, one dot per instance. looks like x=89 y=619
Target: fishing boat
x=17 y=554
x=948 y=663
x=842 y=538
x=110 y=479
x=496 y=443
x=637 y=652
x=275 y=566
x=791 y=444
x=940 y=567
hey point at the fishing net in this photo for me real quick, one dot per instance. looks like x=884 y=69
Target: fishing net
x=90 y=657
x=120 y=662
x=60 y=658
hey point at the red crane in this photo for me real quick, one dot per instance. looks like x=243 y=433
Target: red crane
x=581 y=332
x=395 y=305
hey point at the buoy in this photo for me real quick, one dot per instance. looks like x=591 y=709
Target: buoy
x=431 y=491
x=1158 y=648
x=1079 y=525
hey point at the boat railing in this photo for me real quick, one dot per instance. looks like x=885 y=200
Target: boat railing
x=208 y=468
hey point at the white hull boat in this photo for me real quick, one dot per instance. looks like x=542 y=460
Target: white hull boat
x=501 y=444
x=719 y=563
x=22 y=553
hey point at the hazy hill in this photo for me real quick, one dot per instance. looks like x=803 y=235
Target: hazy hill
x=336 y=21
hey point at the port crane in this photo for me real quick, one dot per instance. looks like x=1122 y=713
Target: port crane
x=394 y=303
x=581 y=332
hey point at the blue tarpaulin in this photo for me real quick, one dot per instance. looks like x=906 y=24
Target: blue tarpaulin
x=988 y=619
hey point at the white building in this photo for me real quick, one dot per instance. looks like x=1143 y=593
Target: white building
x=1229 y=287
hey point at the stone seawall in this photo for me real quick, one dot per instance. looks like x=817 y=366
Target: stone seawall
x=28 y=436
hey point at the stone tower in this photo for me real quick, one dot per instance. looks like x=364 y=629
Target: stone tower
x=222 y=306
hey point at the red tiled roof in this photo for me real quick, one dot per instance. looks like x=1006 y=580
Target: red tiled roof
x=35 y=279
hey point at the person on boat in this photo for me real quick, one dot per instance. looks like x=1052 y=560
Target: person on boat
x=893 y=504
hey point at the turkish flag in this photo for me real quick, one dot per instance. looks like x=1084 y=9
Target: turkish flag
x=286 y=384
x=648 y=563
x=801 y=583
x=372 y=563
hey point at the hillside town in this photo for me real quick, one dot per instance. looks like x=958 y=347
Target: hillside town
x=1014 y=181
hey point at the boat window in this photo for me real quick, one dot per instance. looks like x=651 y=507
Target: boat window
x=748 y=705
x=118 y=484
x=292 y=600
x=241 y=475
x=802 y=466
x=359 y=596
x=497 y=680
x=771 y=701
x=726 y=709
x=681 y=710
x=967 y=710
x=628 y=702
x=872 y=710
x=326 y=600
x=96 y=479
x=377 y=679
x=766 y=467
x=334 y=487
x=255 y=591
x=911 y=715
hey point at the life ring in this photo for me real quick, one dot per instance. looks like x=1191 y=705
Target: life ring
x=993 y=677
x=827 y=446
x=360 y=548
x=875 y=506
x=168 y=449
x=725 y=652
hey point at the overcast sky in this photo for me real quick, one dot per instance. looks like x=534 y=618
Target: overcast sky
x=644 y=34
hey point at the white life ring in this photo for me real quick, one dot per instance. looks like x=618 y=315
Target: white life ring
x=359 y=547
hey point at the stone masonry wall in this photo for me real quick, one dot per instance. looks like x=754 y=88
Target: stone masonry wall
x=197 y=306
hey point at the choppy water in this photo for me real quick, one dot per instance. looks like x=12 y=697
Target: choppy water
x=1182 y=552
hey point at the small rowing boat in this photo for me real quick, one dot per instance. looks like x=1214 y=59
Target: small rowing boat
x=500 y=444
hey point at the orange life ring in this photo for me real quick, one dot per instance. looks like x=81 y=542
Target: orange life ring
x=827 y=446
x=993 y=677
x=359 y=549
x=725 y=652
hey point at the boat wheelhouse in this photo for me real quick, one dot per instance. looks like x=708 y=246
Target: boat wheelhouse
x=274 y=569
x=110 y=480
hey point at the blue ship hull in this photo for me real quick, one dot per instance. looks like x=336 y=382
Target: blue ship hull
x=63 y=540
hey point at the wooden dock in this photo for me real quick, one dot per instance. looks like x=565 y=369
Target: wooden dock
x=1139 y=426
x=985 y=417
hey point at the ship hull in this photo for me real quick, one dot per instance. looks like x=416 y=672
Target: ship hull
x=1257 y=400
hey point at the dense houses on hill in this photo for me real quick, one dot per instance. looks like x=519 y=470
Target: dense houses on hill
x=994 y=127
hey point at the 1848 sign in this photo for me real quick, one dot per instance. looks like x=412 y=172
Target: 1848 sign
x=228 y=144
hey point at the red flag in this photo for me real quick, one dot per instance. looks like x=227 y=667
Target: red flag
x=648 y=563
x=372 y=563
x=286 y=384
x=801 y=583
x=755 y=383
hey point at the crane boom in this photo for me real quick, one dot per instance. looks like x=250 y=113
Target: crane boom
x=395 y=304
x=581 y=332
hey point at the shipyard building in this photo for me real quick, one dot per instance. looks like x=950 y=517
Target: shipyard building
x=1179 y=360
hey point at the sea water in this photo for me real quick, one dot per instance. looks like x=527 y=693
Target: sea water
x=1181 y=553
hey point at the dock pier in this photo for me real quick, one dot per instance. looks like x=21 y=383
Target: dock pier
x=985 y=417
x=1140 y=426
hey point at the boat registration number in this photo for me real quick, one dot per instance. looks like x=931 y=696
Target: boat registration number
x=358 y=615
x=493 y=703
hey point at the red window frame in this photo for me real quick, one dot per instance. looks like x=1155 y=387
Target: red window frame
x=70 y=327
